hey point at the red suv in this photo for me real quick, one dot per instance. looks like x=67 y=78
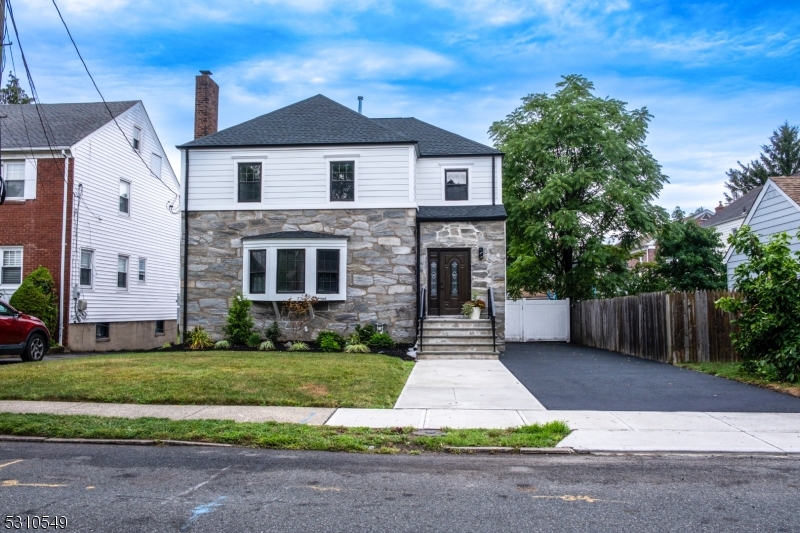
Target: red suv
x=22 y=335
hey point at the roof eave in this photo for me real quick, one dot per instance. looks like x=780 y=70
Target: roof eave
x=462 y=155
x=295 y=145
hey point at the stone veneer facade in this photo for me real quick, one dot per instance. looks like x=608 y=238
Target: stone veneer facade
x=489 y=272
x=381 y=267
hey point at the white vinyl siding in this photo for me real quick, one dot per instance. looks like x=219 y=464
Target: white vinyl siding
x=155 y=164
x=773 y=214
x=430 y=172
x=149 y=232
x=299 y=177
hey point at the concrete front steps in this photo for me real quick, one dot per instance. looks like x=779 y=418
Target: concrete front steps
x=456 y=338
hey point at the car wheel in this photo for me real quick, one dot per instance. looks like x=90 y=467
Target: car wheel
x=35 y=348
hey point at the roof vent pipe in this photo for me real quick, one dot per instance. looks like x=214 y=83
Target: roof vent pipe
x=360 y=101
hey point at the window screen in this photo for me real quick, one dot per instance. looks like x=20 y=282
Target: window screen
x=291 y=271
x=258 y=271
x=86 y=268
x=327 y=271
x=15 y=180
x=12 y=267
x=455 y=185
x=249 y=182
x=343 y=174
x=122 y=272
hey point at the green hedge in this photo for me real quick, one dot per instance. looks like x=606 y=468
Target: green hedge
x=36 y=297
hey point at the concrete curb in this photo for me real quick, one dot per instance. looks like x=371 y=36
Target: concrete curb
x=123 y=442
x=508 y=449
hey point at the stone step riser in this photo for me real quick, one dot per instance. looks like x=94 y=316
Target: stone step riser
x=428 y=357
x=449 y=334
x=455 y=341
x=456 y=349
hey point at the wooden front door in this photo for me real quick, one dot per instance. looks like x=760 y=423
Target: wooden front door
x=449 y=281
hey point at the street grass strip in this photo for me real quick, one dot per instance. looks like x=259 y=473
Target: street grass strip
x=733 y=371
x=213 y=378
x=277 y=435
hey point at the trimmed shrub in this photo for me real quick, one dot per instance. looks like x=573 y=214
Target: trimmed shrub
x=273 y=333
x=254 y=340
x=381 y=341
x=36 y=297
x=365 y=333
x=330 y=341
x=238 y=326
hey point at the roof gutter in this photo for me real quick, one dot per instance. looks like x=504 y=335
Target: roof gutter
x=295 y=145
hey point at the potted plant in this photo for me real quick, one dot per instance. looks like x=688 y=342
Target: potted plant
x=472 y=308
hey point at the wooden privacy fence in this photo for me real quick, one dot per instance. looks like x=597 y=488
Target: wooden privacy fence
x=667 y=327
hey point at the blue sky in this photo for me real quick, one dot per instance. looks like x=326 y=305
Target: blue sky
x=718 y=77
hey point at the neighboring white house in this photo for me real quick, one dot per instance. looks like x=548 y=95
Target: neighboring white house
x=776 y=209
x=729 y=218
x=100 y=189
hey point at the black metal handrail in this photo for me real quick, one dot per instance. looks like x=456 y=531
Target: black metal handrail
x=490 y=310
x=421 y=315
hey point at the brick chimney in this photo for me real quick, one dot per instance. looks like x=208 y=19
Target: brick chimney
x=206 y=105
x=719 y=208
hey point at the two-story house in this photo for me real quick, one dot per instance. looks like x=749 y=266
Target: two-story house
x=317 y=199
x=88 y=195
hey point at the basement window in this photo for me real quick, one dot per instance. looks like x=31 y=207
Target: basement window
x=159 y=327
x=102 y=331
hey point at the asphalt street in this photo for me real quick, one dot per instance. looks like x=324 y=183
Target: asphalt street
x=128 y=488
x=570 y=377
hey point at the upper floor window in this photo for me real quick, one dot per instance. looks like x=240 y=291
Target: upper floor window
x=249 y=182
x=142 y=269
x=137 y=138
x=125 y=197
x=343 y=181
x=87 y=261
x=15 y=180
x=122 y=272
x=11 y=272
x=456 y=184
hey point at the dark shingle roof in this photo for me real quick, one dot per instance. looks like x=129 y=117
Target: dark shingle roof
x=321 y=121
x=316 y=120
x=295 y=235
x=69 y=123
x=738 y=208
x=461 y=212
x=435 y=141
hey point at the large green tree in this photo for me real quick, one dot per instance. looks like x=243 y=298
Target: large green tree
x=688 y=257
x=577 y=177
x=781 y=157
x=12 y=93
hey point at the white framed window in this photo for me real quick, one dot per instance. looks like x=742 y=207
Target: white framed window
x=11 y=267
x=124 y=197
x=248 y=182
x=87 y=268
x=142 y=270
x=155 y=164
x=137 y=138
x=343 y=181
x=279 y=268
x=14 y=175
x=456 y=184
x=122 y=272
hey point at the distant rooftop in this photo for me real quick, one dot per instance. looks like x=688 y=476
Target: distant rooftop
x=736 y=209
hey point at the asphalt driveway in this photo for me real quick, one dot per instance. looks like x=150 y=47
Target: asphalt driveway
x=571 y=377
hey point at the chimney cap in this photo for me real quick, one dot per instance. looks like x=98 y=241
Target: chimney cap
x=205 y=72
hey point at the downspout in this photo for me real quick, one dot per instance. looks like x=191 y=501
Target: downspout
x=185 y=250
x=494 y=185
x=63 y=251
x=419 y=289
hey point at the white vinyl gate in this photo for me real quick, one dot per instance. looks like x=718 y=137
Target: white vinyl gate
x=537 y=320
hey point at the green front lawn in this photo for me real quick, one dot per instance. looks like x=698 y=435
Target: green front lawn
x=277 y=435
x=213 y=378
x=734 y=371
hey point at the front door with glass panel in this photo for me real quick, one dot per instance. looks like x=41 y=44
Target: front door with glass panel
x=448 y=281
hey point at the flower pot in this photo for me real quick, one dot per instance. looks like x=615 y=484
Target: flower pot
x=476 y=314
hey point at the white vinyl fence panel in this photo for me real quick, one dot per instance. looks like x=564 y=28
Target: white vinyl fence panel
x=537 y=320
